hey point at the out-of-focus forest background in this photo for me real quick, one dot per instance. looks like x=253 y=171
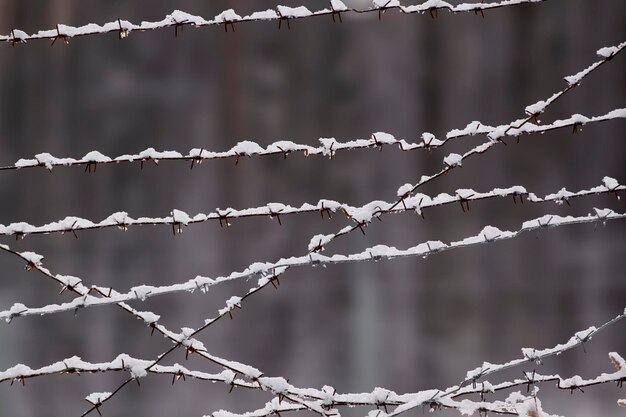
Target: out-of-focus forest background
x=405 y=325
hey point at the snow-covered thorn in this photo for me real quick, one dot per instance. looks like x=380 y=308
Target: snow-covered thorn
x=274 y=281
x=223 y=218
x=18 y=379
x=464 y=202
x=327 y=211
x=19 y=235
x=281 y=18
x=122 y=33
x=360 y=226
x=377 y=143
x=433 y=12
x=575 y=387
x=313 y=262
x=189 y=350
x=479 y=11
x=529 y=380
x=285 y=153
x=277 y=215
x=64 y=38
x=178 y=25
x=30 y=265
x=582 y=342
x=231 y=23
x=547 y=223
x=319 y=246
x=577 y=127
x=70 y=370
x=338 y=15
x=15 y=40
x=178 y=375
x=91 y=167
x=197 y=159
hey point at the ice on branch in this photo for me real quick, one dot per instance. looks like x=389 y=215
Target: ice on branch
x=453 y=160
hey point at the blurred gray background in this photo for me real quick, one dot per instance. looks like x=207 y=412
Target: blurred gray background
x=405 y=325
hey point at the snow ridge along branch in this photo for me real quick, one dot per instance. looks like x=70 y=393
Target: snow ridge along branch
x=228 y=18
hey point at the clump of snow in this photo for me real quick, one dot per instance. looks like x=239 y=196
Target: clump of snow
x=319 y=241
x=142 y=291
x=15 y=310
x=338 y=6
x=453 y=160
x=607 y=51
x=382 y=137
x=33 y=259
x=95 y=156
x=148 y=316
x=232 y=303
x=610 y=183
x=560 y=197
x=385 y=3
x=97 y=398
x=227 y=16
x=404 y=190
x=535 y=109
x=293 y=12
x=179 y=216
x=246 y=148
x=430 y=140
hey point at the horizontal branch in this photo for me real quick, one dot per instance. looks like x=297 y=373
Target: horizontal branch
x=228 y=18
x=123 y=363
x=360 y=215
x=268 y=270
x=328 y=146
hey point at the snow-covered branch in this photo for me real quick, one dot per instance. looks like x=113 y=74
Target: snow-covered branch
x=268 y=271
x=328 y=146
x=228 y=18
x=123 y=363
x=360 y=215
